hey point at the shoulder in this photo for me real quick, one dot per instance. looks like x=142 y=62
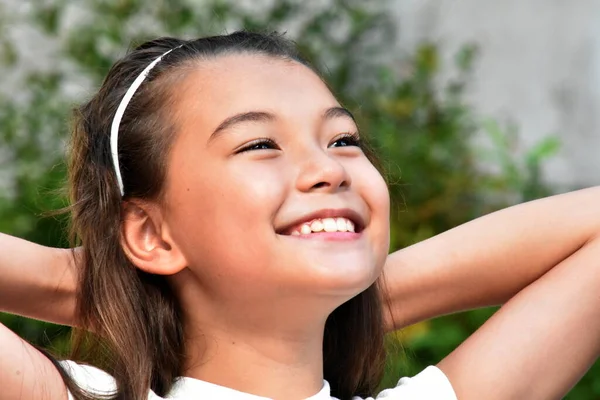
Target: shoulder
x=94 y=380
x=431 y=383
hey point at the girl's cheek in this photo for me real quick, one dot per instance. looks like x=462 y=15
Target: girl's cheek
x=373 y=188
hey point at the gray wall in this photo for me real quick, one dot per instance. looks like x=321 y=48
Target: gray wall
x=539 y=66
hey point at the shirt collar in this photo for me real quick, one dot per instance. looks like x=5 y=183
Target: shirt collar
x=186 y=388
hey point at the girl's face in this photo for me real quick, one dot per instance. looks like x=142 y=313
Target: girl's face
x=264 y=155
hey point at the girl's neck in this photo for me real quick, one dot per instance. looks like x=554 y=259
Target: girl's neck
x=270 y=348
x=278 y=365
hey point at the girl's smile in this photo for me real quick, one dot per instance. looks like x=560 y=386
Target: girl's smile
x=327 y=221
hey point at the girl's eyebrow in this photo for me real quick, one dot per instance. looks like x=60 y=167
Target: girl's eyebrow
x=336 y=112
x=263 y=116
x=256 y=116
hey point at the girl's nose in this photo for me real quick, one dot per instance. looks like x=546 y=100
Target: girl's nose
x=321 y=172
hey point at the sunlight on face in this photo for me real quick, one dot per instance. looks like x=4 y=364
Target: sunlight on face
x=263 y=150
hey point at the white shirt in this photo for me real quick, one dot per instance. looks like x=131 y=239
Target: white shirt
x=429 y=384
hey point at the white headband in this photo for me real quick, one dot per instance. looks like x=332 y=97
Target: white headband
x=114 y=129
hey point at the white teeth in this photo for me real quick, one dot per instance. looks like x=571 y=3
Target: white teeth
x=305 y=229
x=349 y=226
x=329 y=225
x=316 y=225
x=326 y=224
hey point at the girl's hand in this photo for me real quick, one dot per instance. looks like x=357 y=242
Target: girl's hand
x=37 y=281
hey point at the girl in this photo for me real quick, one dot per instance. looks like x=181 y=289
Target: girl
x=234 y=233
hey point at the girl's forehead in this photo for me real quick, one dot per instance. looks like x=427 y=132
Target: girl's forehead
x=244 y=82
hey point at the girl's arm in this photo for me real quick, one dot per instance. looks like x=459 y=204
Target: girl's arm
x=37 y=281
x=541 y=341
x=25 y=373
x=489 y=260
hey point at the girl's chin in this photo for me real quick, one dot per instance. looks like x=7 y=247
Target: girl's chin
x=348 y=280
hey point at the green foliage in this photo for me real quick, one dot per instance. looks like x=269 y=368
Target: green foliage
x=439 y=174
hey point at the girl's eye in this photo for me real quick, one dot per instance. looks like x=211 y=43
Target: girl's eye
x=346 y=139
x=259 y=144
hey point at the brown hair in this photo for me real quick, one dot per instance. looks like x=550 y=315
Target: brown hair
x=138 y=337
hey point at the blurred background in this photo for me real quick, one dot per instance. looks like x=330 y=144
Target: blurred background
x=473 y=106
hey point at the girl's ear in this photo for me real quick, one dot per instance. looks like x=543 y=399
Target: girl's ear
x=147 y=242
